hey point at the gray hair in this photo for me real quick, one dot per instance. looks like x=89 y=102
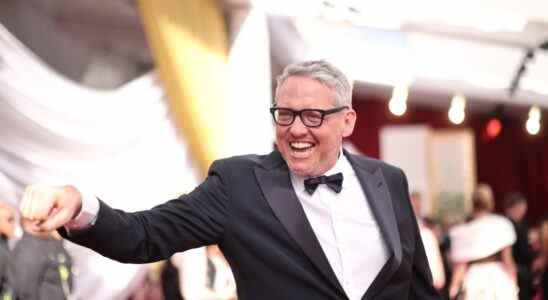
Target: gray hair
x=325 y=73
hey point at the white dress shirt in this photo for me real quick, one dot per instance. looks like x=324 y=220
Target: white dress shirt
x=346 y=229
x=343 y=223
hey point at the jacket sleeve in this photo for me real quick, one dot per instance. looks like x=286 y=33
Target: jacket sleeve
x=422 y=287
x=196 y=219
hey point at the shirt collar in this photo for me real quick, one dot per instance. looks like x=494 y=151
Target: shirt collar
x=341 y=166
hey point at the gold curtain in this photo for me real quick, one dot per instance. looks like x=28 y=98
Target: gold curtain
x=188 y=39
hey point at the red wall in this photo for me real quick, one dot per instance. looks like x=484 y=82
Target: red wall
x=514 y=161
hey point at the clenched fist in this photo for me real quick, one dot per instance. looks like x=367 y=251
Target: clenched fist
x=50 y=207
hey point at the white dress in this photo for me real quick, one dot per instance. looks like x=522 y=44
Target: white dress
x=481 y=238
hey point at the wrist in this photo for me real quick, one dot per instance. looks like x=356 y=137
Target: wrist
x=86 y=209
x=74 y=197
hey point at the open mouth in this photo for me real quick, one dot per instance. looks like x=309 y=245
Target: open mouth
x=301 y=147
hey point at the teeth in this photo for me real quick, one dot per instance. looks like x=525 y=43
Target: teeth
x=300 y=145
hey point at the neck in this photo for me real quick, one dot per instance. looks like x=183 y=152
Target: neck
x=513 y=216
x=331 y=166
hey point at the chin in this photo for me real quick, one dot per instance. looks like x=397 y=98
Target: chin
x=299 y=170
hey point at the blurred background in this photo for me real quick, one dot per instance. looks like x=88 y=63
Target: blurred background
x=132 y=100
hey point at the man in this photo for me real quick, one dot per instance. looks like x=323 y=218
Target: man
x=287 y=230
x=515 y=209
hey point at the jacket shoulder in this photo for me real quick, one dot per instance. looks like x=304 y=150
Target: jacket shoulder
x=373 y=164
x=248 y=161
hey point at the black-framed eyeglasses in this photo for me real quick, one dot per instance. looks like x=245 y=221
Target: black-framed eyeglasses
x=310 y=117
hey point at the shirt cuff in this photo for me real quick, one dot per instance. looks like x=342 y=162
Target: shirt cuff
x=88 y=214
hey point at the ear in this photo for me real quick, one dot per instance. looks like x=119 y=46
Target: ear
x=349 y=122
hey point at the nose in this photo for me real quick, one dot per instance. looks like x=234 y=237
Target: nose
x=298 y=128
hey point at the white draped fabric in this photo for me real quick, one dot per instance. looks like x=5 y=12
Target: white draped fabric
x=7 y=190
x=120 y=144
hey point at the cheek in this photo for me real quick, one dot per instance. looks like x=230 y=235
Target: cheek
x=280 y=136
x=327 y=137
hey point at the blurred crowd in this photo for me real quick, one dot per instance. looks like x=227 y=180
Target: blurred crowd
x=33 y=265
x=196 y=274
x=37 y=266
x=487 y=256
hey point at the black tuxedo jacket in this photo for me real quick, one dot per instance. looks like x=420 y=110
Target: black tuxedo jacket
x=248 y=206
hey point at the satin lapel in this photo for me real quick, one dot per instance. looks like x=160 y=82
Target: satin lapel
x=278 y=191
x=378 y=197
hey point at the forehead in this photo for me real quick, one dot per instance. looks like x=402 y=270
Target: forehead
x=304 y=91
x=521 y=204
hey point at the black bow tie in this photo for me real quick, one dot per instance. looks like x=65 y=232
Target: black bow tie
x=334 y=182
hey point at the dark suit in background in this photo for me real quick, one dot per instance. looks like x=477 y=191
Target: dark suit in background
x=39 y=265
x=247 y=205
x=522 y=253
x=6 y=270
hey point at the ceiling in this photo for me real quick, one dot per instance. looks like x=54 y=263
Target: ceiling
x=438 y=47
x=98 y=43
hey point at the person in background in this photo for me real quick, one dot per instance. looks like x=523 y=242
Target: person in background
x=515 y=209
x=537 y=266
x=42 y=266
x=431 y=243
x=533 y=236
x=7 y=231
x=191 y=266
x=481 y=251
x=541 y=262
x=171 y=280
x=202 y=274
x=151 y=286
x=221 y=280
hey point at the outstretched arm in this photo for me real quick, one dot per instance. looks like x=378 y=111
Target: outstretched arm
x=459 y=269
x=192 y=220
x=508 y=262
